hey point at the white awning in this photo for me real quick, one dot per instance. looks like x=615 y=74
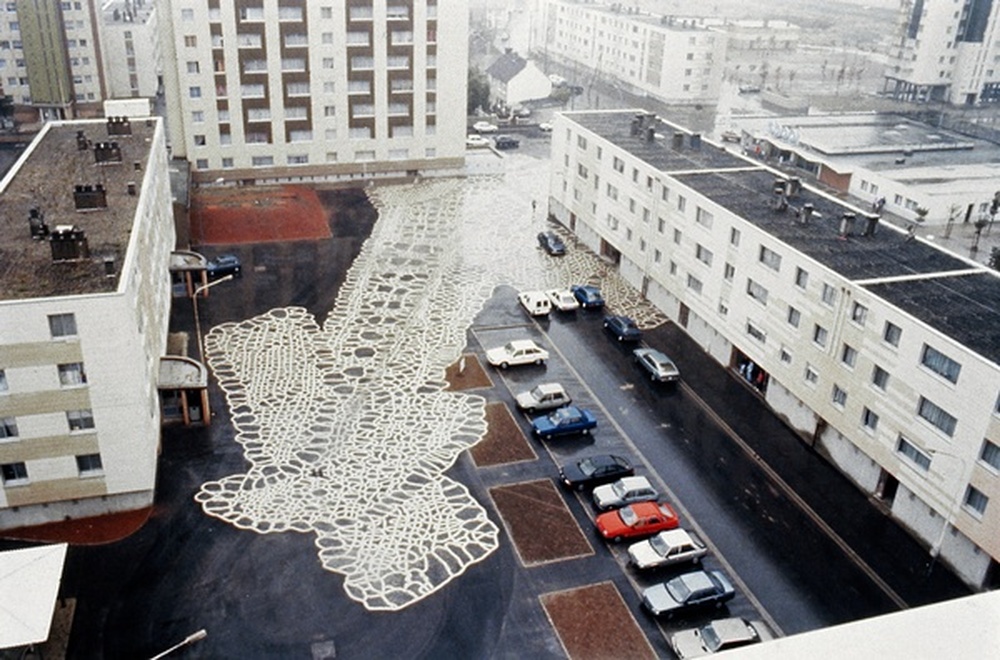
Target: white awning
x=29 y=586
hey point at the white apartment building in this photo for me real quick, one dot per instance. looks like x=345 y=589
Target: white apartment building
x=272 y=91
x=675 y=60
x=946 y=51
x=87 y=233
x=50 y=61
x=130 y=48
x=880 y=350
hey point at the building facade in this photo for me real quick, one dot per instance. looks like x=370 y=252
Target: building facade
x=130 y=49
x=87 y=236
x=673 y=60
x=271 y=91
x=947 y=52
x=880 y=350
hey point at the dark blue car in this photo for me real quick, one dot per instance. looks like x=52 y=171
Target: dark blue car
x=623 y=328
x=564 y=421
x=588 y=296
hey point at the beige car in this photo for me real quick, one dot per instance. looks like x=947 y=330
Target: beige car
x=718 y=636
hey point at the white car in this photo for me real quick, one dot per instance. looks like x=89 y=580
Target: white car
x=672 y=546
x=475 y=140
x=519 y=351
x=624 y=491
x=545 y=396
x=718 y=636
x=545 y=127
x=484 y=127
x=536 y=303
x=563 y=299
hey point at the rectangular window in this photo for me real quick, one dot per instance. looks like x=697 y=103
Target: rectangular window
x=785 y=356
x=734 y=237
x=703 y=255
x=839 y=396
x=703 y=218
x=728 y=272
x=819 y=335
x=915 y=456
x=14 y=473
x=829 y=294
x=72 y=374
x=262 y=161
x=194 y=92
x=80 y=420
x=801 y=278
x=757 y=292
x=880 y=377
x=3 y=380
x=812 y=376
x=581 y=171
x=89 y=464
x=869 y=419
x=770 y=258
x=581 y=142
x=976 y=501
x=990 y=454
x=694 y=284
x=677 y=236
x=8 y=428
x=756 y=332
x=849 y=355
x=612 y=192
x=937 y=416
x=940 y=363
x=892 y=333
x=618 y=164
x=657 y=257
x=859 y=313
x=794 y=316
x=681 y=203
x=62 y=325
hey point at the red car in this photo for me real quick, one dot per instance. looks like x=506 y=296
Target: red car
x=639 y=519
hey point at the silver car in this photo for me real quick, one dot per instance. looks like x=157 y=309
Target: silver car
x=718 y=636
x=545 y=396
x=660 y=367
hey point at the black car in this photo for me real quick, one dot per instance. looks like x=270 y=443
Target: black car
x=623 y=328
x=224 y=264
x=506 y=142
x=594 y=471
x=551 y=243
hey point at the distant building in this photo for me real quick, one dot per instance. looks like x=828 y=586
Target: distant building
x=130 y=48
x=514 y=80
x=881 y=350
x=945 y=52
x=673 y=60
x=902 y=165
x=316 y=91
x=87 y=234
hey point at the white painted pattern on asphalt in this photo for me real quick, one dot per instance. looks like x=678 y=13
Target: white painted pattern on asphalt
x=347 y=426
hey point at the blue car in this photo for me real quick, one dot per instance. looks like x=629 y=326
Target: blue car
x=588 y=296
x=623 y=328
x=564 y=421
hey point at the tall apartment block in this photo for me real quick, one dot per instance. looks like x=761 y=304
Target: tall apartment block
x=677 y=61
x=61 y=60
x=881 y=350
x=86 y=230
x=946 y=51
x=273 y=91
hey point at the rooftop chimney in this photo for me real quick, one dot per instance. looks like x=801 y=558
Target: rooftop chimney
x=90 y=198
x=69 y=243
x=107 y=152
x=695 y=141
x=806 y=213
x=36 y=220
x=82 y=143
x=871 y=224
x=119 y=126
x=847 y=223
x=678 y=141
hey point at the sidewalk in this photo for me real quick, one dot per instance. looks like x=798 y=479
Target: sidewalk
x=902 y=562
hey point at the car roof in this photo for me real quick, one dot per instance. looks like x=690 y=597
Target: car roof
x=522 y=343
x=675 y=536
x=697 y=580
x=732 y=628
x=636 y=482
x=604 y=459
x=549 y=387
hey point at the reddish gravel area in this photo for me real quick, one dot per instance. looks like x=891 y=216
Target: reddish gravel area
x=594 y=623
x=230 y=216
x=531 y=506
x=84 y=531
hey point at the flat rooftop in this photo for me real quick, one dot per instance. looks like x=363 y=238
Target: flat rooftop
x=45 y=178
x=935 y=286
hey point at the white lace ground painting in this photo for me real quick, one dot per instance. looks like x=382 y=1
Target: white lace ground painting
x=347 y=426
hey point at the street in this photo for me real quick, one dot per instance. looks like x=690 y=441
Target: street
x=332 y=506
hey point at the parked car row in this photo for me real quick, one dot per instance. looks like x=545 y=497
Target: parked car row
x=476 y=140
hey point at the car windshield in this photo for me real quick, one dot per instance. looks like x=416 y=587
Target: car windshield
x=536 y=393
x=678 y=590
x=560 y=416
x=659 y=545
x=508 y=348
x=628 y=516
x=618 y=488
x=711 y=638
x=587 y=467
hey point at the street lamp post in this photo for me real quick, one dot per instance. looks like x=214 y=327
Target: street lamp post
x=952 y=510
x=197 y=321
x=190 y=639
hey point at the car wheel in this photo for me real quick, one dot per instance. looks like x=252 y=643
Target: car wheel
x=504 y=365
x=580 y=487
x=652 y=377
x=697 y=561
x=621 y=337
x=617 y=539
x=605 y=324
x=547 y=436
x=539 y=362
x=585 y=431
